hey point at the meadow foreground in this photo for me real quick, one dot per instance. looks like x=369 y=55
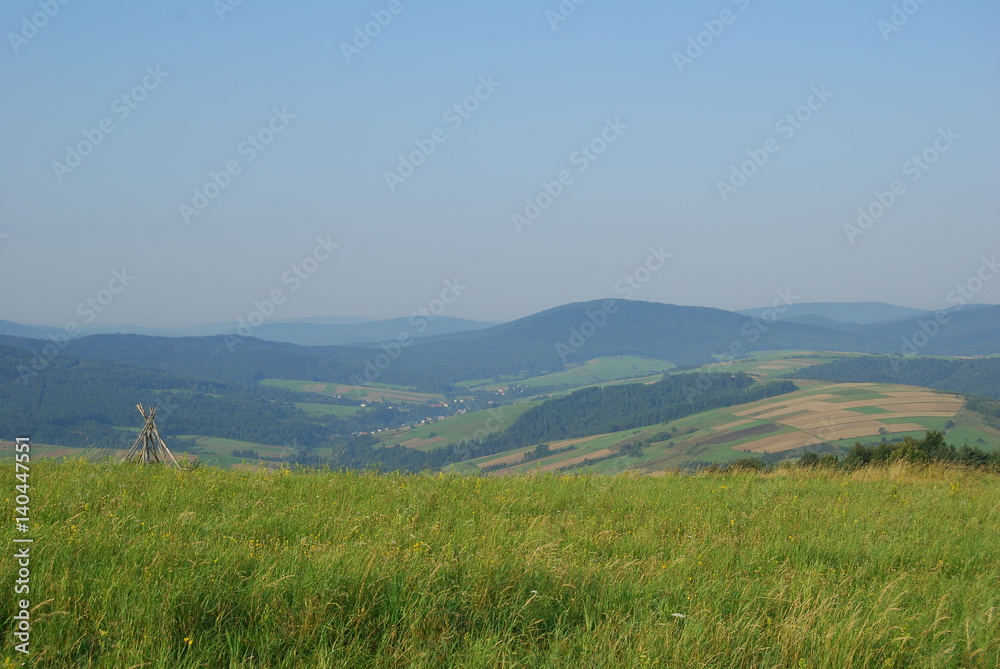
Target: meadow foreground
x=149 y=567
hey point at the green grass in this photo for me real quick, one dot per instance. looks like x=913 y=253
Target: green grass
x=756 y=362
x=598 y=370
x=149 y=567
x=453 y=429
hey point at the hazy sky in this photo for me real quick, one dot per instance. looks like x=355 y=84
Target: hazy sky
x=300 y=116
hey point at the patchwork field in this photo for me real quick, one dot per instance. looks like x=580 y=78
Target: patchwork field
x=771 y=364
x=598 y=370
x=834 y=414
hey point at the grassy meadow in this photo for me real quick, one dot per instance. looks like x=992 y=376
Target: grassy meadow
x=598 y=370
x=150 y=567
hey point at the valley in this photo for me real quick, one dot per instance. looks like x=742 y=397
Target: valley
x=650 y=392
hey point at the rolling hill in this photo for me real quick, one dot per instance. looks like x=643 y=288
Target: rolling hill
x=825 y=418
x=544 y=343
x=843 y=312
x=973 y=377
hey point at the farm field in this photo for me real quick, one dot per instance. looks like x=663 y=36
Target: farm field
x=217 y=451
x=835 y=414
x=49 y=451
x=214 y=451
x=379 y=392
x=611 y=368
x=456 y=428
x=770 y=364
x=893 y=567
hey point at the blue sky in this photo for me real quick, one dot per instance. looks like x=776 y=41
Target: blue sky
x=343 y=121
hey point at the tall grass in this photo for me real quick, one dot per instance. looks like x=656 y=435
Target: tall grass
x=149 y=567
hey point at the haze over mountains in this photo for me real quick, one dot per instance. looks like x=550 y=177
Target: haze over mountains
x=305 y=331
x=542 y=343
x=842 y=312
x=338 y=331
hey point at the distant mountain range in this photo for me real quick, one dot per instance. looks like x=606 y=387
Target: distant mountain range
x=340 y=331
x=306 y=331
x=541 y=343
x=827 y=313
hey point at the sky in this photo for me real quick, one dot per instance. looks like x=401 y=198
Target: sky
x=168 y=163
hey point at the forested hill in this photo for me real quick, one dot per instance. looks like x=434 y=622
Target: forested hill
x=538 y=344
x=76 y=402
x=980 y=376
x=577 y=332
x=220 y=358
x=969 y=330
x=614 y=408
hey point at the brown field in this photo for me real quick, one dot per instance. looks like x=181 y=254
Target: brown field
x=512 y=459
x=912 y=393
x=418 y=443
x=576 y=442
x=805 y=408
x=780 y=443
x=729 y=426
x=863 y=430
x=821 y=417
x=740 y=434
x=786 y=405
x=577 y=460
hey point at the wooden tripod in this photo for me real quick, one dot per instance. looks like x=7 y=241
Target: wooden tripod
x=149 y=447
